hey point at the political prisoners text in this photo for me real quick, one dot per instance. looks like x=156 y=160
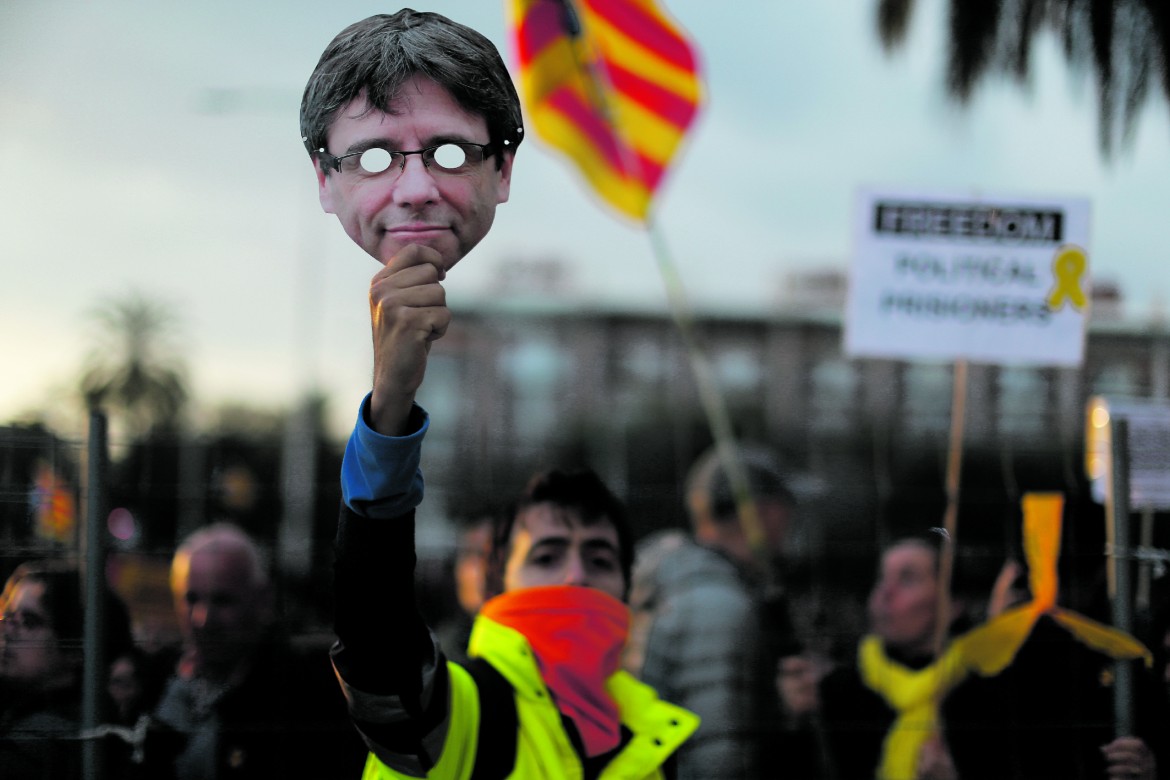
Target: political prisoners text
x=999 y=283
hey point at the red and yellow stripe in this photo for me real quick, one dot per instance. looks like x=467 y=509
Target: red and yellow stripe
x=54 y=505
x=617 y=94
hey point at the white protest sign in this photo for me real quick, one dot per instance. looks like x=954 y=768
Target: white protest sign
x=988 y=279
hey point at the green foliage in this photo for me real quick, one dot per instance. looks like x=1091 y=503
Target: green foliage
x=133 y=368
x=1124 y=43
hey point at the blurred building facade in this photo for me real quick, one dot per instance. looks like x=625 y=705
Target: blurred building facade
x=532 y=379
x=526 y=381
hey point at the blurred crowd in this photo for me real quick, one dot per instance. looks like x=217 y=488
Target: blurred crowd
x=224 y=701
x=716 y=627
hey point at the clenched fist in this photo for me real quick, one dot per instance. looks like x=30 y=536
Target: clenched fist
x=408 y=311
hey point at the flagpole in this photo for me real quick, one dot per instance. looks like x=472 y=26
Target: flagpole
x=596 y=83
x=711 y=399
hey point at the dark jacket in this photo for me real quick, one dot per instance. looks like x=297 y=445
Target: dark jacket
x=712 y=646
x=1048 y=713
x=39 y=735
x=285 y=719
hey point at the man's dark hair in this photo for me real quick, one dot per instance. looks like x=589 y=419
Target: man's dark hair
x=581 y=490
x=709 y=478
x=376 y=56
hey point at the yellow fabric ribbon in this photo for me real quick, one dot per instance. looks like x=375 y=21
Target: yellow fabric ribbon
x=914 y=695
x=991 y=647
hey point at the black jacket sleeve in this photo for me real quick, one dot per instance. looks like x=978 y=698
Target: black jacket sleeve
x=389 y=666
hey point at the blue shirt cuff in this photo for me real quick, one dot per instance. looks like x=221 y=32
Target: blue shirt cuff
x=380 y=475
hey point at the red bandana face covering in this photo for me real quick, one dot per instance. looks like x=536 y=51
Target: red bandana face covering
x=577 y=635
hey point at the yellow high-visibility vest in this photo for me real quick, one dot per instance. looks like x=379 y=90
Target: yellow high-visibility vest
x=543 y=748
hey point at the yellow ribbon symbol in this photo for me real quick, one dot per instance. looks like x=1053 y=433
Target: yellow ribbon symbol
x=1068 y=267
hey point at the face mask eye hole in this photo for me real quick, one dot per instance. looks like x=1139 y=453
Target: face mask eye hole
x=375 y=160
x=450 y=156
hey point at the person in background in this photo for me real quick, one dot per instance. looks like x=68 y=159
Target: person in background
x=913 y=708
x=879 y=715
x=42 y=653
x=126 y=688
x=716 y=622
x=136 y=683
x=468 y=575
x=247 y=704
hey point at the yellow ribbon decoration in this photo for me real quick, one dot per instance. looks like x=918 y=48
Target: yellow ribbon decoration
x=989 y=648
x=1068 y=266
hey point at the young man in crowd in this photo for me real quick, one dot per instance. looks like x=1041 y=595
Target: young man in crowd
x=412 y=123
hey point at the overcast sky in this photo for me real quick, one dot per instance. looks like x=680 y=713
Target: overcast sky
x=153 y=146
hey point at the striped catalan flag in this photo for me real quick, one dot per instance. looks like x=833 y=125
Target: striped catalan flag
x=612 y=83
x=54 y=505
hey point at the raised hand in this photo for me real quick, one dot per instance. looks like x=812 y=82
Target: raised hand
x=408 y=311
